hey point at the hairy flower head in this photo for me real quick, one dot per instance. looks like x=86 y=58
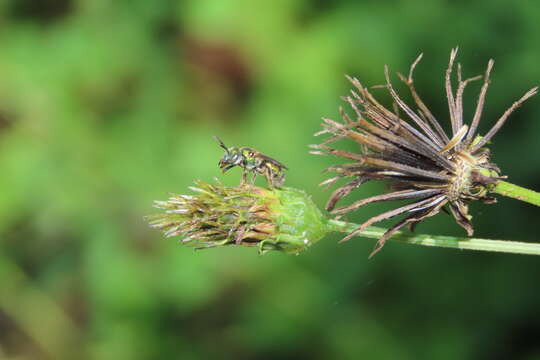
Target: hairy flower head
x=215 y=215
x=413 y=152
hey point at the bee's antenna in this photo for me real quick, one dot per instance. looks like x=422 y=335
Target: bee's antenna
x=221 y=144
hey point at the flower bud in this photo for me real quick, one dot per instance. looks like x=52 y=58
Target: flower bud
x=283 y=219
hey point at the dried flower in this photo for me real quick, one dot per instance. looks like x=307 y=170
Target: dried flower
x=272 y=219
x=416 y=156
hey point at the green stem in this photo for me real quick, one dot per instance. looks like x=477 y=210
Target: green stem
x=372 y=232
x=516 y=192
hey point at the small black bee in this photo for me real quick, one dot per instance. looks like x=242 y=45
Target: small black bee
x=251 y=160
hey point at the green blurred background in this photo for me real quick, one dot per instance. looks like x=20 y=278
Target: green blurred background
x=108 y=105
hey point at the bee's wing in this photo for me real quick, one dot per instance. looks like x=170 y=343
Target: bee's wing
x=273 y=161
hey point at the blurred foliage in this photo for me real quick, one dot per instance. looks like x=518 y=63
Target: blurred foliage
x=108 y=105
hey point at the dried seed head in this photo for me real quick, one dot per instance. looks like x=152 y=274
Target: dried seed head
x=414 y=153
x=279 y=219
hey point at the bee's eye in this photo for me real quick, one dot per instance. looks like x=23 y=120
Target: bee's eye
x=251 y=153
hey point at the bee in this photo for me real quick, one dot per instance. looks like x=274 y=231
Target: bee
x=250 y=160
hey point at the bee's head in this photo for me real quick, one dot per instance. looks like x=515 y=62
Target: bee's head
x=233 y=156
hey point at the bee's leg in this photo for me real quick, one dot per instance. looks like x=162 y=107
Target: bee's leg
x=253 y=178
x=269 y=178
x=244 y=177
x=279 y=180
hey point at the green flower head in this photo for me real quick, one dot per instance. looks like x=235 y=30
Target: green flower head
x=216 y=215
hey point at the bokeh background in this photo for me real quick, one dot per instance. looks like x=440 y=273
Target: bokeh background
x=108 y=105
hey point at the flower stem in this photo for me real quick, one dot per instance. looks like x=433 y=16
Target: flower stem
x=516 y=192
x=513 y=247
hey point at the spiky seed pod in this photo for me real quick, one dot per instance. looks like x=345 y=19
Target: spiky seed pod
x=216 y=215
x=414 y=153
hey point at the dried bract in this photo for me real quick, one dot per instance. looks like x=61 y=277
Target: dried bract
x=413 y=152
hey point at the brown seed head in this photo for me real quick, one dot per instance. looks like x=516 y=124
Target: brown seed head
x=412 y=151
